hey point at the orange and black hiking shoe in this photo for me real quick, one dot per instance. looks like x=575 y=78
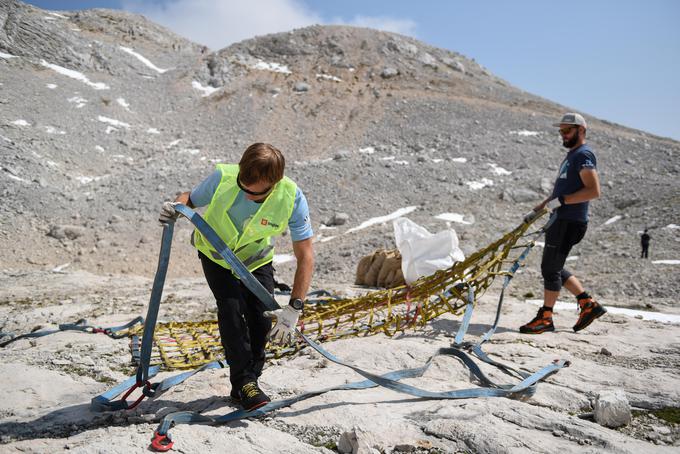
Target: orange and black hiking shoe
x=540 y=324
x=590 y=310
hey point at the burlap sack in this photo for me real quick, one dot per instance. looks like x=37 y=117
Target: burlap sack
x=380 y=269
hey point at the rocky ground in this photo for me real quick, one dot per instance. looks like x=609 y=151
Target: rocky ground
x=48 y=382
x=105 y=115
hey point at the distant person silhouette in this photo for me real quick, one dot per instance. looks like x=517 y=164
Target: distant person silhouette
x=644 y=242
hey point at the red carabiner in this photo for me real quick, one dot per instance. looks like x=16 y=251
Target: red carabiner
x=129 y=391
x=162 y=442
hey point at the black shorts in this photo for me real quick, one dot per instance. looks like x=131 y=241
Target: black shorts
x=560 y=237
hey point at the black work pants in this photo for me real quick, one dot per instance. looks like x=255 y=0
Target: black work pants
x=645 y=251
x=243 y=327
x=560 y=237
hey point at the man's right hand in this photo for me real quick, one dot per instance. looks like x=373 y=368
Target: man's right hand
x=168 y=213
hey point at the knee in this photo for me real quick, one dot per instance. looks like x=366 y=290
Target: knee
x=551 y=278
x=564 y=276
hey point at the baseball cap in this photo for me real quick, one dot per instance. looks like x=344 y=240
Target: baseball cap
x=572 y=118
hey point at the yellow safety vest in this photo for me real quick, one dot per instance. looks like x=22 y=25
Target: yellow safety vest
x=253 y=246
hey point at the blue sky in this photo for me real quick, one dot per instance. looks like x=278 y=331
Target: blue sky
x=615 y=60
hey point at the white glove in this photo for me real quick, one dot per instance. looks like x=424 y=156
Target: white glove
x=168 y=213
x=286 y=320
x=553 y=204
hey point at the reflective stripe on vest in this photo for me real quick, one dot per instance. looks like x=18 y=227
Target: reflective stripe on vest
x=253 y=246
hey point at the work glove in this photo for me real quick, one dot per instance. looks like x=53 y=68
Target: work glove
x=286 y=321
x=530 y=216
x=168 y=213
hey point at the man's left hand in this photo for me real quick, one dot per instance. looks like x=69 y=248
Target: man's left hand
x=286 y=321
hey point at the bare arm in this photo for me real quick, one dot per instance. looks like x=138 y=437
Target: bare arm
x=590 y=189
x=184 y=199
x=304 y=254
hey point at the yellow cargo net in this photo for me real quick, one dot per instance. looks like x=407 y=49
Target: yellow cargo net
x=184 y=345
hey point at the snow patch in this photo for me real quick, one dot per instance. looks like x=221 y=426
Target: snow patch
x=571 y=258
x=383 y=219
x=672 y=226
x=60 y=268
x=666 y=262
x=51 y=86
x=328 y=77
x=613 y=220
x=153 y=131
x=143 y=59
x=7 y=56
x=460 y=160
x=270 y=66
x=123 y=103
x=21 y=122
x=476 y=185
x=14 y=177
x=85 y=179
x=53 y=130
x=367 y=150
x=499 y=170
x=113 y=122
x=524 y=132
x=452 y=217
x=78 y=101
x=207 y=91
x=75 y=75
x=100 y=148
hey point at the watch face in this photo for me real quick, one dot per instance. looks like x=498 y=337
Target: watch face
x=297 y=304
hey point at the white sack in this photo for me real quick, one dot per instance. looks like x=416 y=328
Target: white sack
x=423 y=253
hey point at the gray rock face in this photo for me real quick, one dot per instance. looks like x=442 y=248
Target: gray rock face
x=612 y=408
x=338 y=219
x=388 y=73
x=70 y=232
x=356 y=441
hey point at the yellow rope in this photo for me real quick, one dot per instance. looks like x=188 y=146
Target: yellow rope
x=183 y=345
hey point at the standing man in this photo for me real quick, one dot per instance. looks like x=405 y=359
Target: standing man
x=247 y=204
x=577 y=183
x=644 y=242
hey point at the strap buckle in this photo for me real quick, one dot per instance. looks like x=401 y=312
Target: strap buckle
x=161 y=442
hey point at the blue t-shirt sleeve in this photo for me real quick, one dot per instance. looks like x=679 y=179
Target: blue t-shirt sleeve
x=203 y=193
x=586 y=161
x=299 y=223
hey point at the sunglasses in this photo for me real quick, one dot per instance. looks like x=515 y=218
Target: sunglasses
x=248 y=191
x=566 y=130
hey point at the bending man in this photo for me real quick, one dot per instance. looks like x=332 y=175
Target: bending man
x=247 y=204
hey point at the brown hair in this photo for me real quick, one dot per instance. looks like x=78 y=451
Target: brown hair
x=261 y=162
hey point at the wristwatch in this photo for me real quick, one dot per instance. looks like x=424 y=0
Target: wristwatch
x=296 y=303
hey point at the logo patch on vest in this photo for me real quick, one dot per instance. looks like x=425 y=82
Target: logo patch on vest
x=265 y=221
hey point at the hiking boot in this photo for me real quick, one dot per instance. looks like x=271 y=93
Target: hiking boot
x=590 y=310
x=540 y=324
x=235 y=396
x=252 y=397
